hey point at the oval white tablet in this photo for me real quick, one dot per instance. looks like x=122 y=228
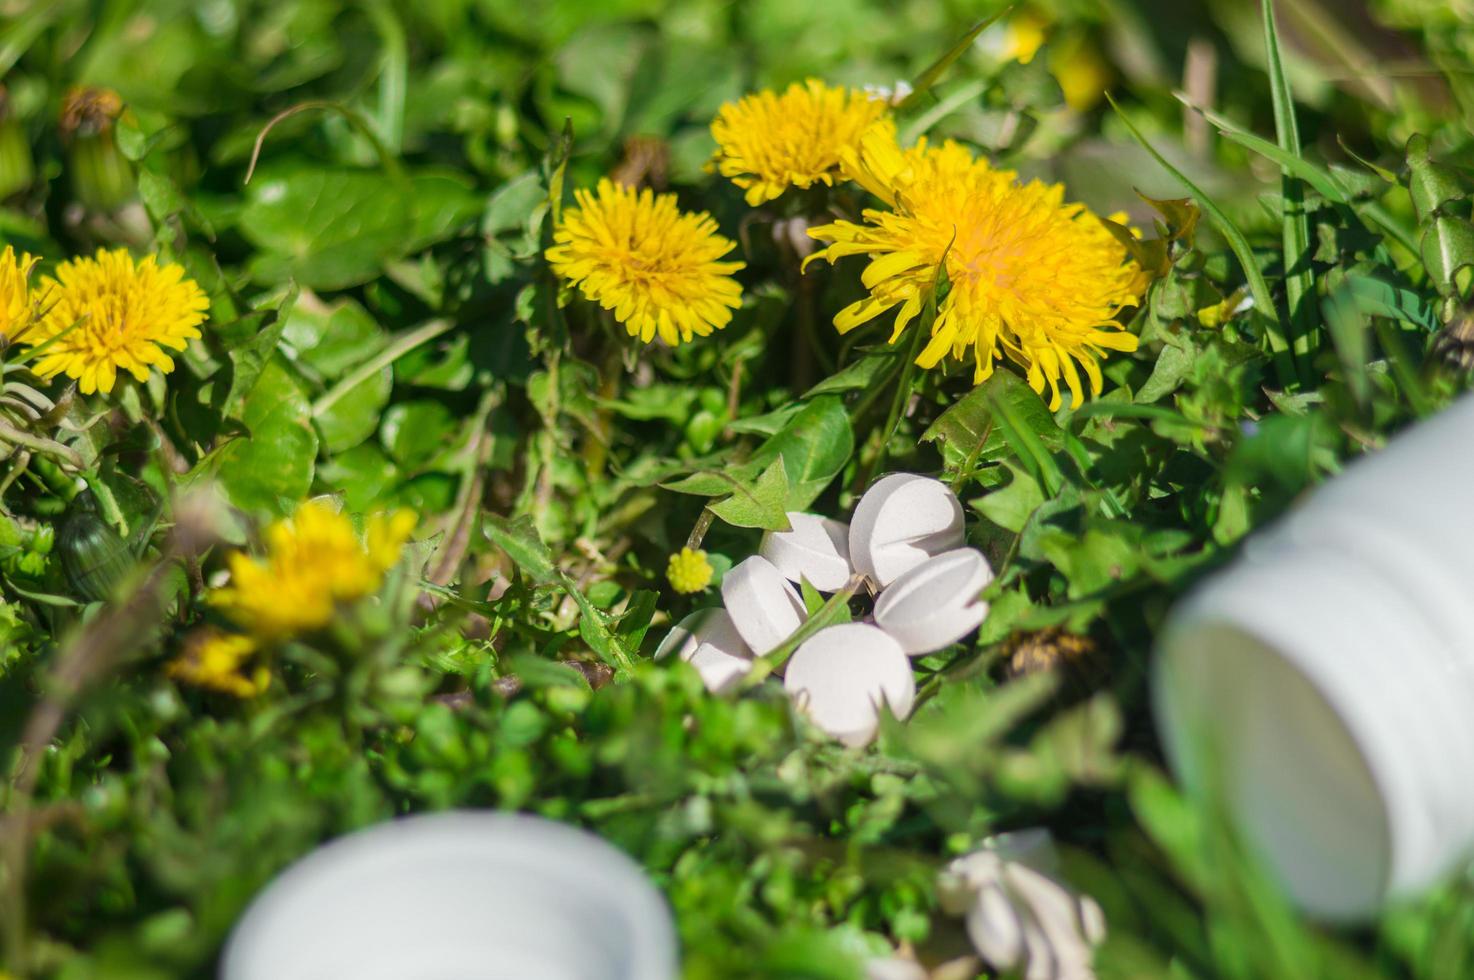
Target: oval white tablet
x=841 y=676
x=936 y=603
x=764 y=608
x=708 y=641
x=901 y=521
x=816 y=548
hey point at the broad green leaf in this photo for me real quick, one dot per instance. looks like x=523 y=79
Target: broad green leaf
x=250 y=343
x=762 y=504
x=1011 y=506
x=271 y=469
x=814 y=447
x=518 y=537
x=364 y=475
x=857 y=376
x=326 y=228
x=444 y=202
x=968 y=432
x=355 y=416
x=415 y=432
x=329 y=340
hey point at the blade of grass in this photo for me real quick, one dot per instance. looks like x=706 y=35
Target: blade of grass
x=392 y=76
x=1284 y=363
x=1324 y=182
x=1295 y=223
x=934 y=71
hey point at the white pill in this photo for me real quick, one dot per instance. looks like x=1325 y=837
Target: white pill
x=935 y=603
x=817 y=549
x=900 y=522
x=763 y=606
x=708 y=641
x=842 y=675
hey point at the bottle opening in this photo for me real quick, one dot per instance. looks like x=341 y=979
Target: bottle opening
x=1239 y=717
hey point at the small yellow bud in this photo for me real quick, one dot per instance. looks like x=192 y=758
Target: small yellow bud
x=689 y=571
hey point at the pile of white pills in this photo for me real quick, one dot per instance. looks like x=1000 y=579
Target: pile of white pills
x=906 y=539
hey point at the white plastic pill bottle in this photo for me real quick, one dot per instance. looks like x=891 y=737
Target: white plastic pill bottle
x=464 y=895
x=1322 y=686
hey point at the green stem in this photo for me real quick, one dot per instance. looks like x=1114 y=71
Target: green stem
x=396 y=349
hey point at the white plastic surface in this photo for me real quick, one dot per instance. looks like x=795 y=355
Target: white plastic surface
x=936 y=603
x=902 y=520
x=1326 y=681
x=764 y=607
x=816 y=548
x=458 y=896
x=708 y=641
x=842 y=675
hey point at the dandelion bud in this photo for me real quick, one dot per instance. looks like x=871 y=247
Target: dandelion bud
x=102 y=178
x=689 y=571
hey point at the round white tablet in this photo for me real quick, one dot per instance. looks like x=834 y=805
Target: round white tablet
x=817 y=549
x=708 y=641
x=935 y=603
x=902 y=520
x=763 y=606
x=842 y=675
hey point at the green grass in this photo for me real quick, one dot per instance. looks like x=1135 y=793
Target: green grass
x=384 y=330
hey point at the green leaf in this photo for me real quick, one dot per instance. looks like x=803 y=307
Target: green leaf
x=271 y=469
x=814 y=447
x=415 y=432
x=934 y=71
x=1448 y=249
x=1263 y=298
x=593 y=626
x=970 y=434
x=249 y=343
x=444 y=202
x=331 y=339
x=859 y=375
x=761 y=504
x=1011 y=506
x=518 y=537
x=355 y=416
x=1433 y=184
x=326 y=228
x=1295 y=223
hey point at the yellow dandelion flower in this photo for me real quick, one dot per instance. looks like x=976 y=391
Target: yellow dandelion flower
x=689 y=571
x=17 y=305
x=313 y=563
x=215 y=660
x=1082 y=72
x=767 y=143
x=1024 y=36
x=109 y=313
x=1031 y=278
x=658 y=269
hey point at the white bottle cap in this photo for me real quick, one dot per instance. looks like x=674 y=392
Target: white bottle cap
x=708 y=641
x=763 y=606
x=902 y=521
x=842 y=675
x=498 y=896
x=936 y=603
x=816 y=549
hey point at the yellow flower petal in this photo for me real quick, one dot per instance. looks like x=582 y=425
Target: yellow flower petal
x=107 y=312
x=654 y=266
x=1032 y=278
